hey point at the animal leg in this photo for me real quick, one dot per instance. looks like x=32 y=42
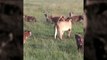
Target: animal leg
x=55 y=32
x=61 y=34
x=69 y=33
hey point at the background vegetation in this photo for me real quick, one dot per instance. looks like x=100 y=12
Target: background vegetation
x=42 y=45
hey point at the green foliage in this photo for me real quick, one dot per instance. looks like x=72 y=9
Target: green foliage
x=42 y=45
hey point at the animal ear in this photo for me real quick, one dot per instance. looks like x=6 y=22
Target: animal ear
x=70 y=14
x=60 y=18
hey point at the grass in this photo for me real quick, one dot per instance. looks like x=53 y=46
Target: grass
x=42 y=45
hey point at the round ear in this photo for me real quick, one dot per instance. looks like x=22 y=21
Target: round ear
x=70 y=14
x=60 y=18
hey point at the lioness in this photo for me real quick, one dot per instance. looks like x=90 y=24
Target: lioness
x=63 y=25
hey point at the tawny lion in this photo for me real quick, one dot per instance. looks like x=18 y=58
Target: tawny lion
x=63 y=25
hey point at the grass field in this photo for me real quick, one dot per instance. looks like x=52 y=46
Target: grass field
x=42 y=45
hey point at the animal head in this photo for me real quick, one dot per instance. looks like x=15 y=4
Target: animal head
x=28 y=32
x=81 y=17
x=48 y=18
x=30 y=18
x=79 y=39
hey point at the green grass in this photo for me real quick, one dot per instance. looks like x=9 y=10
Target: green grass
x=42 y=45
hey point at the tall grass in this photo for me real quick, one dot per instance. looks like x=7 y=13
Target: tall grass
x=42 y=45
